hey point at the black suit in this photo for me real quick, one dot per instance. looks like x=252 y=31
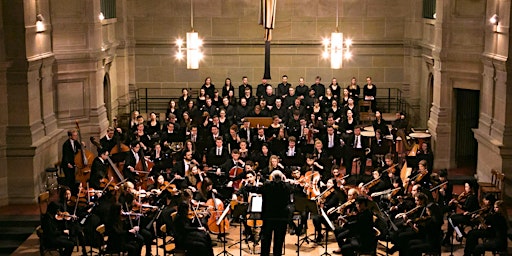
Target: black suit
x=336 y=150
x=217 y=160
x=357 y=152
x=68 y=157
x=296 y=159
x=275 y=214
x=108 y=144
x=130 y=161
x=242 y=133
x=98 y=172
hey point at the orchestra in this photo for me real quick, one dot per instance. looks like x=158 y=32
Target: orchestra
x=211 y=160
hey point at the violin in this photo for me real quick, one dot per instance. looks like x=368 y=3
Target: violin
x=233 y=173
x=311 y=184
x=65 y=216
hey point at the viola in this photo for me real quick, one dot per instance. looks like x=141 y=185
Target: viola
x=311 y=179
x=65 y=216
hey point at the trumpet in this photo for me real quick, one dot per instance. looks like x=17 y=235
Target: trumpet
x=406 y=214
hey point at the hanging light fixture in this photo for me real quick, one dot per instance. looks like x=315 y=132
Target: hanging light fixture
x=193 y=44
x=335 y=48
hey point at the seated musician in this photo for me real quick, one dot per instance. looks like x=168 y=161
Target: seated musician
x=191 y=235
x=258 y=140
x=428 y=227
x=99 y=168
x=425 y=153
x=362 y=236
x=122 y=236
x=261 y=157
x=132 y=159
x=273 y=165
x=108 y=141
x=54 y=234
x=330 y=198
x=243 y=195
x=493 y=228
x=379 y=149
x=421 y=175
x=444 y=190
x=467 y=201
x=293 y=155
x=218 y=154
x=66 y=212
x=141 y=136
x=406 y=232
x=181 y=168
x=358 y=144
x=161 y=160
x=236 y=163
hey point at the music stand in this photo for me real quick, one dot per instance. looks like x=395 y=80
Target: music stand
x=457 y=231
x=302 y=204
x=329 y=226
x=223 y=228
x=238 y=213
x=255 y=210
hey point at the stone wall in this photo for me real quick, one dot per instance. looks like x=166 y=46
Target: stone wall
x=234 y=45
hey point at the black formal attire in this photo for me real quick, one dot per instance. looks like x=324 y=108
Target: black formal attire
x=69 y=150
x=247 y=134
x=302 y=90
x=361 y=235
x=270 y=99
x=275 y=214
x=216 y=159
x=183 y=102
x=98 y=171
x=332 y=145
x=371 y=92
x=241 y=90
x=108 y=143
x=260 y=90
x=336 y=92
x=495 y=236
x=319 y=90
x=132 y=159
x=188 y=236
x=54 y=236
x=357 y=144
x=241 y=112
x=210 y=91
x=292 y=157
x=354 y=93
x=459 y=219
x=282 y=89
x=382 y=126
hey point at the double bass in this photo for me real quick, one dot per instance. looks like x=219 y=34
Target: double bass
x=143 y=168
x=113 y=171
x=83 y=160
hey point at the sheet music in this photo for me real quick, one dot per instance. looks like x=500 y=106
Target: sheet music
x=256 y=204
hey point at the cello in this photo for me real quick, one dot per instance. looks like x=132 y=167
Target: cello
x=216 y=208
x=83 y=160
x=117 y=152
x=144 y=167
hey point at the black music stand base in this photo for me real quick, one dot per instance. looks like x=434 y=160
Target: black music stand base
x=326 y=238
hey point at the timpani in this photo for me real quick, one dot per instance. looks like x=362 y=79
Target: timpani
x=369 y=135
x=420 y=136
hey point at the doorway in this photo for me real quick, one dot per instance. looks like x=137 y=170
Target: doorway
x=466 y=146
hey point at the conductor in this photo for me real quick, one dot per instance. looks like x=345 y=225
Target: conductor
x=276 y=197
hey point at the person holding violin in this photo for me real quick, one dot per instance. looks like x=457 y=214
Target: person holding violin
x=467 y=201
x=54 y=234
x=330 y=197
x=99 y=169
x=444 y=192
x=421 y=175
x=66 y=215
x=122 y=235
x=190 y=234
x=182 y=167
x=69 y=149
x=428 y=227
x=242 y=196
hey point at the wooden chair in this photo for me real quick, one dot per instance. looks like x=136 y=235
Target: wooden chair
x=365 y=104
x=103 y=249
x=496 y=188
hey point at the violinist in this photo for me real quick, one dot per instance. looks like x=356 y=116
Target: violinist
x=444 y=192
x=494 y=229
x=273 y=165
x=467 y=201
x=345 y=212
x=359 y=233
x=99 y=168
x=421 y=175
x=243 y=193
x=182 y=167
x=193 y=177
x=428 y=227
x=69 y=150
x=160 y=158
x=66 y=214
x=405 y=231
x=190 y=233
x=425 y=153
x=54 y=234
x=330 y=197
x=121 y=235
